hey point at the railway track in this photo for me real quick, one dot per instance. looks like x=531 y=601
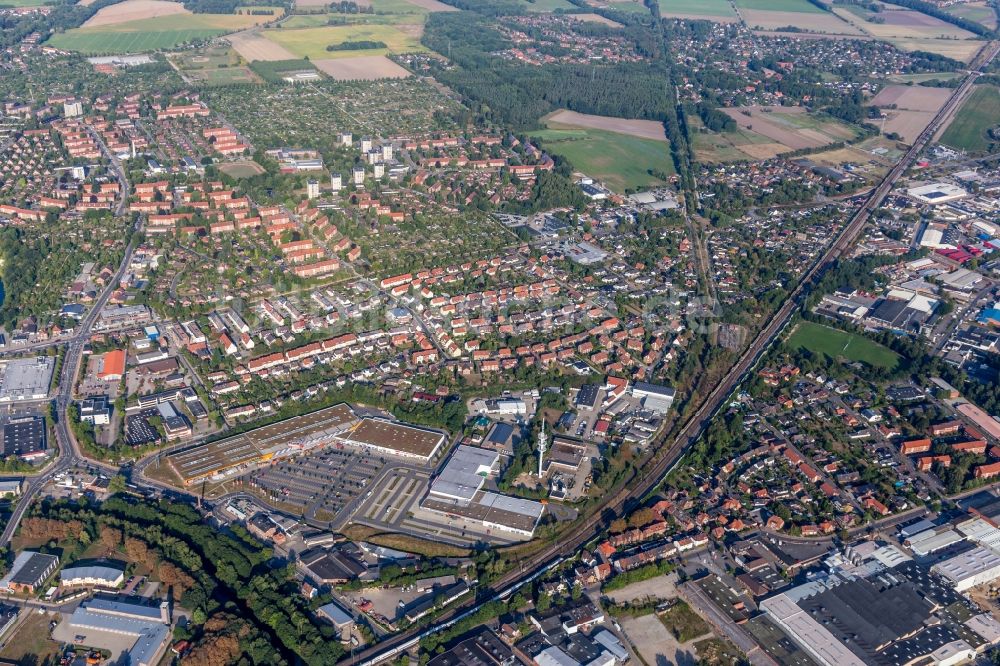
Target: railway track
x=666 y=459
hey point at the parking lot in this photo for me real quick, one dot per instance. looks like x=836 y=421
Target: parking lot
x=320 y=485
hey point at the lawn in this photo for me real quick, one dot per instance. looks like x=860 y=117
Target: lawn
x=980 y=112
x=835 y=343
x=312 y=42
x=161 y=32
x=697 y=7
x=780 y=6
x=26 y=3
x=618 y=160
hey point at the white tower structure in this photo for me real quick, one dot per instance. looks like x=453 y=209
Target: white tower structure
x=541 y=448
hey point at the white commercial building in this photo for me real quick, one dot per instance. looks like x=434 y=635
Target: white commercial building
x=97 y=575
x=654 y=397
x=809 y=634
x=464 y=474
x=937 y=193
x=966 y=570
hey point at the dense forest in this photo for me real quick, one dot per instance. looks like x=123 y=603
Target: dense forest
x=509 y=93
x=243 y=609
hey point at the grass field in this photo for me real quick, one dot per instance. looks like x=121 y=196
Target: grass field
x=697 y=7
x=979 y=12
x=241 y=169
x=619 y=161
x=312 y=42
x=30 y=642
x=629 y=6
x=780 y=6
x=161 y=32
x=835 y=343
x=25 y=3
x=980 y=112
x=542 y=6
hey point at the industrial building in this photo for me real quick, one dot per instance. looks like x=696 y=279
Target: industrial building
x=936 y=193
x=457 y=490
x=654 y=397
x=29 y=571
x=26 y=437
x=339 y=618
x=974 y=567
x=483 y=649
x=876 y=605
x=105 y=620
x=26 y=379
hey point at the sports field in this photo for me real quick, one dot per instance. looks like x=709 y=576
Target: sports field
x=980 y=112
x=835 y=343
x=161 y=32
x=619 y=161
x=312 y=42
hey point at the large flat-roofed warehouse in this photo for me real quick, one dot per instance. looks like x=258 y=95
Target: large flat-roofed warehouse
x=280 y=439
x=463 y=475
x=397 y=439
x=492 y=511
x=26 y=379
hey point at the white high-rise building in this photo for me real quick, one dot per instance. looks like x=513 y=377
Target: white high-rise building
x=378 y=170
x=336 y=182
x=359 y=175
x=387 y=152
x=312 y=189
x=366 y=144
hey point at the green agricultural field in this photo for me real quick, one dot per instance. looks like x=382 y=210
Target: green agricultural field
x=543 y=6
x=835 y=343
x=161 y=32
x=618 y=160
x=780 y=5
x=312 y=42
x=980 y=112
x=978 y=12
x=26 y=3
x=697 y=7
x=633 y=6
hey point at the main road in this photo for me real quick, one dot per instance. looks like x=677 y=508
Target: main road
x=69 y=454
x=656 y=468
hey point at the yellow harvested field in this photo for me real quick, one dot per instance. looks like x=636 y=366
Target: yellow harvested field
x=361 y=68
x=252 y=47
x=959 y=49
x=912 y=98
x=790 y=126
x=763 y=151
x=809 y=21
x=915 y=107
x=433 y=5
x=133 y=10
x=644 y=129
